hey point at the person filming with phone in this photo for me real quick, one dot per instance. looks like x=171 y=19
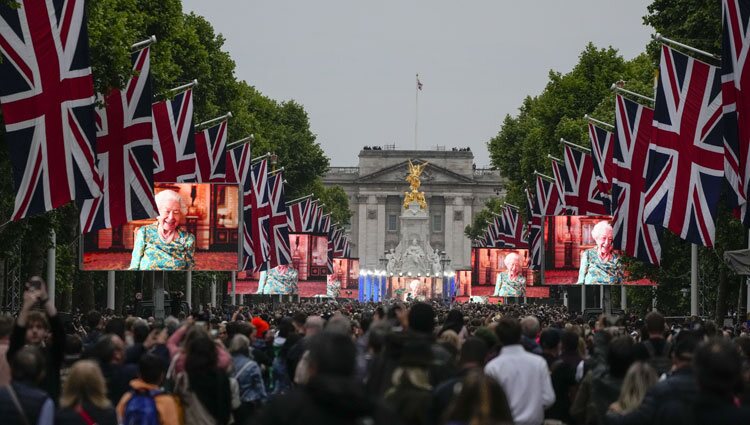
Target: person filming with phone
x=39 y=325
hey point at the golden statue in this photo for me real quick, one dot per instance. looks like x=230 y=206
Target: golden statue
x=415 y=170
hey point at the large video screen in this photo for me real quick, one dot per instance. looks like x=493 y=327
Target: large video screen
x=501 y=272
x=578 y=250
x=197 y=229
x=310 y=256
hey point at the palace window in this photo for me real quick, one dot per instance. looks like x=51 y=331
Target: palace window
x=437 y=223
x=392 y=223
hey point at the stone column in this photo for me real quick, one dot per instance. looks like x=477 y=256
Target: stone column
x=466 y=252
x=450 y=203
x=361 y=229
x=380 y=235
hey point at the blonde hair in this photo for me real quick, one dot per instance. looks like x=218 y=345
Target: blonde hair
x=416 y=376
x=85 y=382
x=640 y=377
x=450 y=337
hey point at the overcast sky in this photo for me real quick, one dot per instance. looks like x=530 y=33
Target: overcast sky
x=352 y=64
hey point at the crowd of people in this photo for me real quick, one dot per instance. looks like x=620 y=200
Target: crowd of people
x=368 y=363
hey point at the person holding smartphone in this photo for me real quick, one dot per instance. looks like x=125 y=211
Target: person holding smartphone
x=39 y=325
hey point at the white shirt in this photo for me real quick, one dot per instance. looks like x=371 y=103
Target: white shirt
x=526 y=382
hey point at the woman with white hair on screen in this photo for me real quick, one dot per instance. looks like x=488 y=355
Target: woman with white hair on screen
x=600 y=265
x=164 y=245
x=511 y=283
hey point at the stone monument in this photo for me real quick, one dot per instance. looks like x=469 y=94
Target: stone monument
x=414 y=256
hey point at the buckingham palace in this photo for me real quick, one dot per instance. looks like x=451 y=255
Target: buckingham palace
x=454 y=190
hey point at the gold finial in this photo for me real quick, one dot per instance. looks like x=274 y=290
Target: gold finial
x=415 y=170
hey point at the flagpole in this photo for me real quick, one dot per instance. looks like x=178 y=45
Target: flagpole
x=225 y=116
x=300 y=199
x=658 y=37
x=575 y=146
x=184 y=86
x=416 y=112
x=544 y=176
x=260 y=158
x=143 y=44
x=616 y=88
x=694 y=280
x=596 y=121
x=238 y=143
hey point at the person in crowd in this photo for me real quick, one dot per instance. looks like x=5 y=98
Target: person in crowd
x=639 y=378
x=84 y=397
x=6 y=327
x=655 y=350
x=286 y=337
x=332 y=396
x=529 y=331
x=563 y=375
x=248 y=375
x=204 y=387
x=73 y=352
x=42 y=329
x=144 y=399
x=600 y=265
x=140 y=332
x=523 y=376
x=455 y=322
x=94 y=327
x=410 y=396
x=109 y=352
x=679 y=385
x=481 y=400
x=549 y=341
x=511 y=283
x=473 y=358
x=180 y=339
x=164 y=245
x=23 y=401
x=451 y=342
x=601 y=387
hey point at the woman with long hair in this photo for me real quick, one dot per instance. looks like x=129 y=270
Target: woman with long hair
x=84 y=397
x=640 y=377
x=203 y=387
x=481 y=401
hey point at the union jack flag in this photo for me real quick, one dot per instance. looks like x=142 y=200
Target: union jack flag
x=686 y=159
x=210 y=161
x=534 y=228
x=174 y=139
x=564 y=187
x=280 y=252
x=735 y=83
x=493 y=234
x=339 y=238
x=601 y=152
x=548 y=197
x=347 y=248
x=633 y=126
x=47 y=96
x=514 y=235
x=324 y=225
x=260 y=207
x=298 y=214
x=585 y=197
x=124 y=148
x=332 y=231
x=238 y=163
x=316 y=217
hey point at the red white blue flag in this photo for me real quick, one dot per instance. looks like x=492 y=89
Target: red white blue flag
x=633 y=129
x=735 y=90
x=535 y=229
x=174 y=139
x=47 y=96
x=278 y=224
x=210 y=160
x=601 y=153
x=258 y=217
x=584 y=196
x=513 y=237
x=124 y=148
x=685 y=170
x=298 y=214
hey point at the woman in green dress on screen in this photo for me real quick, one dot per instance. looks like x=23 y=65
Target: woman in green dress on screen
x=164 y=245
x=600 y=265
x=511 y=283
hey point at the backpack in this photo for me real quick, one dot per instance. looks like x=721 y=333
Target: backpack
x=141 y=408
x=659 y=361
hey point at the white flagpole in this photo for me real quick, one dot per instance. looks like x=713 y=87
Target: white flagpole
x=694 y=280
x=416 y=113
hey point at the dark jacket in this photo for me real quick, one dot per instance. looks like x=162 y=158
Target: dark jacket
x=100 y=416
x=563 y=375
x=31 y=398
x=118 y=379
x=706 y=409
x=53 y=353
x=680 y=386
x=326 y=400
x=413 y=405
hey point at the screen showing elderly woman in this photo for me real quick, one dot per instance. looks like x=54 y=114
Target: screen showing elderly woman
x=197 y=228
x=579 y=250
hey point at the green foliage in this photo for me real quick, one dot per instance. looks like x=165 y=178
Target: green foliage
x=477 y=227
